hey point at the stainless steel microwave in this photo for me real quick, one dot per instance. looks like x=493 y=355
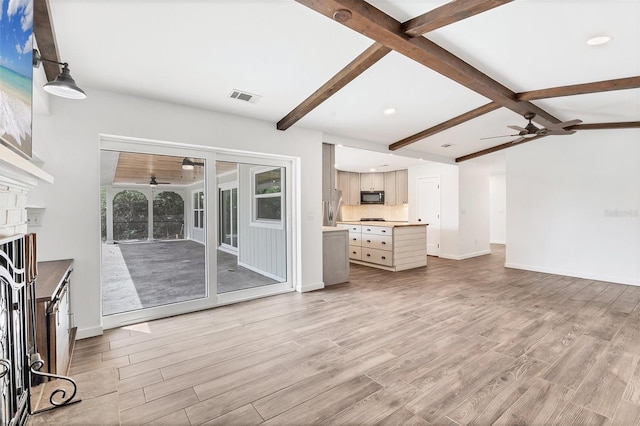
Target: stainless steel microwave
x=371 y=197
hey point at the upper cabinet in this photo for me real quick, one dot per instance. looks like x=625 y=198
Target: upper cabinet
x=402 y=186
x=390 y=189
x=394 y=185
x=349 y=184
x=371 y=181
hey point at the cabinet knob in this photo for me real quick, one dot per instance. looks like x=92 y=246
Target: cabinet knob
x=368 y=241
x=368 y=229
x=383 y=257
x=354 y=239
x=384 y=230
x=384 y=242
x=353 y=252
x=368 y=255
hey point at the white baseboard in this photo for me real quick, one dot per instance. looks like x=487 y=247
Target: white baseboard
x=576 y=274
x=498 y=242
x=256 y=270
x=84 y=333
x=311 y=287
x=465 y=256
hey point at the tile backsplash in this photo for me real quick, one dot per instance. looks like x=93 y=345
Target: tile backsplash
x=398 y=213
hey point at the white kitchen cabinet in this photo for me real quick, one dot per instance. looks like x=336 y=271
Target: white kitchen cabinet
x=371 y=181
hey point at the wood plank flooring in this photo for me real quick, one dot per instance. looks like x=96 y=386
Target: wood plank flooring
x=457 y=343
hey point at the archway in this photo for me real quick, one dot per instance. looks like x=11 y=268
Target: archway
x=130 y=216
x=168 y=216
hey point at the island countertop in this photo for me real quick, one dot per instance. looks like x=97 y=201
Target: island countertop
x=390 y=224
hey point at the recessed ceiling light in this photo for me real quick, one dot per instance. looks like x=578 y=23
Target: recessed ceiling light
x=598 y=40
x=372 y=170
x=389 y=111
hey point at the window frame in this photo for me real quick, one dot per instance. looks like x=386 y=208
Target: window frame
x=266 y=223
x=198 y=209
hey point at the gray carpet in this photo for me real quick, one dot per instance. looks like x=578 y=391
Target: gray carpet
x=144 y=275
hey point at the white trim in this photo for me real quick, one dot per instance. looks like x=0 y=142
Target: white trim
x=312 y=287
x=267 y=223
x=567 y=273
x=464 y=256
x=84 y=333
x=497 y=242
x=228 y=249
x=261 y=272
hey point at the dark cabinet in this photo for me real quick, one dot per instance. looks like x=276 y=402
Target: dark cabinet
x=54 y=330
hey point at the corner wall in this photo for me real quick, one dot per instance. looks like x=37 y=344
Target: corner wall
x=573 y=205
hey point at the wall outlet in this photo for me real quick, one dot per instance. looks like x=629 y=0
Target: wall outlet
x=34 y=219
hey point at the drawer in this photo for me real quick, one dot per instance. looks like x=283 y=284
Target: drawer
x=350 y=227
x=355 y=252
x=355 y=239
x=382 y=242
x=381 y=257
x=377 y=230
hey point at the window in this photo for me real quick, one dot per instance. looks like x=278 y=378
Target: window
x=267 y=195
x=198 y=210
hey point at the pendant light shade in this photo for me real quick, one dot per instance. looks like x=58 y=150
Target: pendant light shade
x=64 y=85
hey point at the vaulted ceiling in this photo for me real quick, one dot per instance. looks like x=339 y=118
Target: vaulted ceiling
x=336 y=65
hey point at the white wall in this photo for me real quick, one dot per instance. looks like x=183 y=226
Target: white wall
x=573 y=205
x=449 y=202
x=474 y=210
x=498 y=208
x=68 y=142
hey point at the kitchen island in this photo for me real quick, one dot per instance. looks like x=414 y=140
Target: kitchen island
x=392 y=246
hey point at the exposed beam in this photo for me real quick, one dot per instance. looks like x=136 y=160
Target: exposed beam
x=592 y=126
x=576 y=89
x=449 y=13
x=492 y=106
x=45 y=37
x=581 y=89
x=606 y=126
x=375 y=24
x=436 y=18
x=356 y=67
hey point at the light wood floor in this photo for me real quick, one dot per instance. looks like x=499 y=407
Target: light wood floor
x=458 y=342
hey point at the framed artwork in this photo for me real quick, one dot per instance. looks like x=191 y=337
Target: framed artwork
x=16 y=74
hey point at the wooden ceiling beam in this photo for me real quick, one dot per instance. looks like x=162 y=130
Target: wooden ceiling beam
x=581 y=89
x=592 y=126
x=364 y=18
x=449 y=13
x=439 y=17
x=576 y=89
x=46 y=38
x=356 y=67
x=491 y=106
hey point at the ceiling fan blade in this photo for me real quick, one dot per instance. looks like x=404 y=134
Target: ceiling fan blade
x=515 y=141
x=518 y=128
x=496 y=137
x=559 y=132
x=562 y=125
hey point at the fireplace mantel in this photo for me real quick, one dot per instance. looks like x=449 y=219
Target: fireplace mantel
x=18 y=171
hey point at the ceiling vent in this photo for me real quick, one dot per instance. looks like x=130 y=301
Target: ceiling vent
x=446 y=145
x=244 y=96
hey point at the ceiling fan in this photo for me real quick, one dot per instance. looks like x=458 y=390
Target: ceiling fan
x=153 y=182
x=531 y=130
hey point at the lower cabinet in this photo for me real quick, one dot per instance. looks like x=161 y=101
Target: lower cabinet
x=335 y=256
x=394 y=248
x=54 y=332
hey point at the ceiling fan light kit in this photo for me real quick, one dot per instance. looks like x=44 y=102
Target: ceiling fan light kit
x=188 y=164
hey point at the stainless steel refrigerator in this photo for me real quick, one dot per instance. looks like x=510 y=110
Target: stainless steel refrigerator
x=331 y=208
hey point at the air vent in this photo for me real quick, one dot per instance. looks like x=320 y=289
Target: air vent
x=244 y=96
x=446 y=145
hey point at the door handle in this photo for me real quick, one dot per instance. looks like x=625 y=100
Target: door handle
x=5 y=364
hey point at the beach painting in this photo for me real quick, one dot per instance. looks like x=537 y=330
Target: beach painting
x=16 y=74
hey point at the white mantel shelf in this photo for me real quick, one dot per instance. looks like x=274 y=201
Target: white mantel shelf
x=18 y=169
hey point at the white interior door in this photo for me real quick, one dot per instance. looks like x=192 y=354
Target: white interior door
x=429 y=211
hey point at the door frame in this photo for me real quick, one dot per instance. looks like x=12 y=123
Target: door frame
x=210 y=155
x=229 y=248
